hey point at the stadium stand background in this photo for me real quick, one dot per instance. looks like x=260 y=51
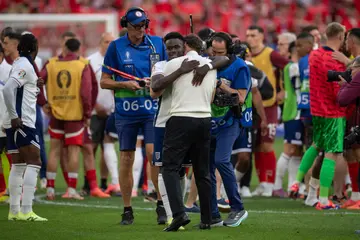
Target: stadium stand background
x=233 y=16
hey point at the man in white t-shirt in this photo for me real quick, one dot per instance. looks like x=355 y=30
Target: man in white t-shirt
x=188 y=133
x=20 y=96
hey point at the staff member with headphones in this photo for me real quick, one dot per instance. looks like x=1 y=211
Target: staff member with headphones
x=234 y=78
x=135 y=54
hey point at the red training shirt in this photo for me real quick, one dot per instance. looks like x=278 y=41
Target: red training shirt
x=322 y=93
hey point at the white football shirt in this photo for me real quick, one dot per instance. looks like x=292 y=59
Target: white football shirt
x=105 y=97
x=24 y=75
x=163 y=113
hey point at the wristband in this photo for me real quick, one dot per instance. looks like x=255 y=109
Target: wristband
x=210 y=66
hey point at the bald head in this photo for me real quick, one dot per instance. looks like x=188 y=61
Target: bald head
x=105 y=40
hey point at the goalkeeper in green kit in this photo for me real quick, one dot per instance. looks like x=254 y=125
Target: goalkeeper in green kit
x=327 y=116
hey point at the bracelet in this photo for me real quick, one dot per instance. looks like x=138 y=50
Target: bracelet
x=210 y=66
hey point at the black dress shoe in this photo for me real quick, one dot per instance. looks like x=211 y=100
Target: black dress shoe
x=204 y=226
x=177 y=222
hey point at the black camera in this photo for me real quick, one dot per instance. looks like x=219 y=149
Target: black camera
x=333 y=76
x=353 y=137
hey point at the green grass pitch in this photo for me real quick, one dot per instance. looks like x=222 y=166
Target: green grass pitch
x=92 y=218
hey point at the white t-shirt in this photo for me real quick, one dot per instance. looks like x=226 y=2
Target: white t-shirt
x=24 y=75
x=187 y=100
x=163 y=113
x=5 y=69
x=105 y=97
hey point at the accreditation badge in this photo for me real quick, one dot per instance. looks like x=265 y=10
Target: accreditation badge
x=154 y=58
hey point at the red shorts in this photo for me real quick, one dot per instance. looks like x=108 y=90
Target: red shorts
x=272 y=119
x=72 y=132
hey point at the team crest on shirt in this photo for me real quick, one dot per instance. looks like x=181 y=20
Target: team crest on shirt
x=157 y=155
x=21 y=74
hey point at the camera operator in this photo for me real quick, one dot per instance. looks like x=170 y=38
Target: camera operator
x=347 y=96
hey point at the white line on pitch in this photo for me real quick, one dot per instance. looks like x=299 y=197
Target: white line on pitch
x=70 y=204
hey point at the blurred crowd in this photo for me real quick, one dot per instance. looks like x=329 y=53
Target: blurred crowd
x=233 y=16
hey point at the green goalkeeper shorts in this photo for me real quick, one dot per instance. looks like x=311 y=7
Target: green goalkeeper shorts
x=328 y=134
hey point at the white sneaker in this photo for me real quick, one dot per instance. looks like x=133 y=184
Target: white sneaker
x=268 y=190
x=43 y=183
x=259 y=190
x=245 y=192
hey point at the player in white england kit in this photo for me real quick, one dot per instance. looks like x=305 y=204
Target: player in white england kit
x=20 y=95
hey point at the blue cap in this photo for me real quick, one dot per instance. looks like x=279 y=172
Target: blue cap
x=135 y=17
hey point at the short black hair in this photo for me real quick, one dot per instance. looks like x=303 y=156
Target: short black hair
x=306 y=35
x=68 y=34
x=1 y=49
x=355 y=32
x=233 y=35
x=223 y=37
x=205 y=33
x=73 y=45
x=27 y=45
x=309 y=28
x=13 y=35
x=194 y=42
x=292 y=47
x=174 y=35
x=255 y=27
x=5 y=31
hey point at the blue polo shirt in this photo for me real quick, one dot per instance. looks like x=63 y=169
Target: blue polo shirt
x=137 y=61
x=237 y=76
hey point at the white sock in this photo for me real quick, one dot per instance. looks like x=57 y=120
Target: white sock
x=15 y=186
x=239 y=175
x=164 y=196
x=182 y=186
x=151 y=187
x=222 y=191
x=137 y=168
x=30 y=179
x=355 y=196
x=111 y=162
x=294 y=164
x=347 y=179
x=281 y=167
x=313 y=187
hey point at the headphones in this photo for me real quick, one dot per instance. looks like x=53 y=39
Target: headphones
x=124 y=21
x=227 y=38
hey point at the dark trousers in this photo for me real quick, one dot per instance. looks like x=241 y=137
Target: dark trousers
x=186 y=135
